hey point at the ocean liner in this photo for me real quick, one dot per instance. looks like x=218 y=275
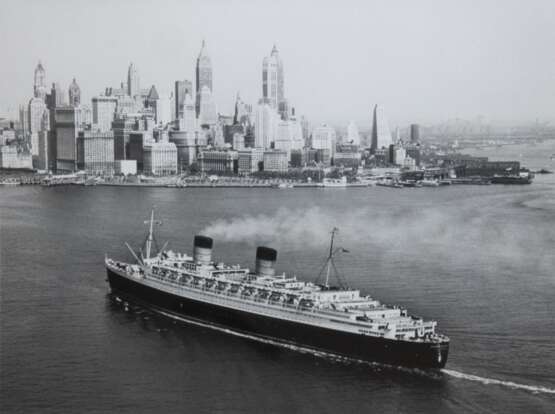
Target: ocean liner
x=280 y=309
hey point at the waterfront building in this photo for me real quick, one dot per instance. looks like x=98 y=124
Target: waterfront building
x=42 y=159
x=250 y=160
x=74 y=93
x=353 y=136
x=297 y=159
x=381 y=156
x=95 y=152
x=122 y=127
x=207 y=115
x=12 y=157
x=203 y=75
x=188 y=147
x=323 y=156
x=399 y=155
x=219 y=161
x=133 y=82
x=272 y=79
x=414 y=133
x=135 y=147
x=67 y=128
x=324 y=137
x=413 y=151
x=276 y=160
x=265 y=127
x=39 y=86
x=467 y=165
x=409 y=163
x=309 y=156
x=125 y=167
x=160 y=158
x=289 y=136
x=381 y=135
x=103 y=112
x=347 y=159
x=182 y=89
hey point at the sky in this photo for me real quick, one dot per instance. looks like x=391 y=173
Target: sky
x=424 y=61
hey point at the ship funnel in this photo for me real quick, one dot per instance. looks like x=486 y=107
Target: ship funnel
x=265 y=261
x=202 y=252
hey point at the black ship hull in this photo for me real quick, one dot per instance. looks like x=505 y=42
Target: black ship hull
x=351 y=345
x=511 y=180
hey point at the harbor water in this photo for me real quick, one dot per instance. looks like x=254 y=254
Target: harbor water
x=478 y=259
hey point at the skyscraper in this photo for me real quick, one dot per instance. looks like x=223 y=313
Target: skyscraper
x=272 y=79
x=56 y=96
x=414 y=133
x=74 y=94
x=265 y=127
x=35 y=112
x=133 y=84
x=324 y=138
x=381 y=135
x=188 y=122
x=207 y=114
x=39 y=86
x=103 y=112
x=203 y=75
x=66 y=125
x=182 y=88
x=353 y=137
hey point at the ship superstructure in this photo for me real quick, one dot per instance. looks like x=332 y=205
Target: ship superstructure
x=241 y=298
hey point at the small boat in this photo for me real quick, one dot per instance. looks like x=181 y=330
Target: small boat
x=389 y=183
x=429 y=183
x=335 y=182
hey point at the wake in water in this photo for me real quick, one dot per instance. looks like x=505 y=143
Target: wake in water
x=536 y=389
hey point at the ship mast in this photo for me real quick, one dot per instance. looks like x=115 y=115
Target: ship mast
x=330 y=256
x=150 y=237
x=329 y=265
x=148 y=244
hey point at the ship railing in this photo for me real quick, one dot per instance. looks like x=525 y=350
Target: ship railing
x=304 y=310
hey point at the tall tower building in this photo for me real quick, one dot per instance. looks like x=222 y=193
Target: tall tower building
x=36 y=110
x=207 y=114
x=40 y=82
x=414 y=133
x=133 y=84
x=203 y=75
x=381 y=135
x=103 y=112
x=74 y=94
x=188 y=122
x=57 y=96
x=324 y=138
x=265 y=126
x=272 y=80
x=182 y=88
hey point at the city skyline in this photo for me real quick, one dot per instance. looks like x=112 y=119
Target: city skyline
x=478 y=66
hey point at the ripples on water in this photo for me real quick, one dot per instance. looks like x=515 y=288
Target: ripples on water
x=478 y=259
